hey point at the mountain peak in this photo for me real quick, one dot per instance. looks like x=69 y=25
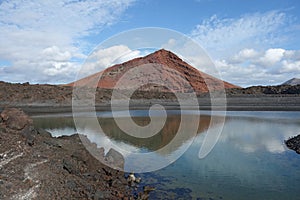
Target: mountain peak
x=172 y=67
x=162 y=55
x=162 y=52
x=293 y=81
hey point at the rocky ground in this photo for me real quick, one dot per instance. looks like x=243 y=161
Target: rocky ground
x=20 y=94
x=294 y=143
x=34 y=165
x=58 y=98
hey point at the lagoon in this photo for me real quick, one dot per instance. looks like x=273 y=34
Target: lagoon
x=249 y=160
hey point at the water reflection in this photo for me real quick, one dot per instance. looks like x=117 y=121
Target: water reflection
x=250 y=160
x=157 y=141
x=246 y=134
x=253 y=134
x=56 y=125
x=65 y=126
x=141 y=154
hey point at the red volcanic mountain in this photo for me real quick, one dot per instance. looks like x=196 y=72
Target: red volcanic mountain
x=172 y=68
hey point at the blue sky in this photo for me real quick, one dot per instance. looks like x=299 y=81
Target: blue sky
x=251 y=42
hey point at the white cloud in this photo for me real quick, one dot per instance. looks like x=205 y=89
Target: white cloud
x=271 y=57
x=291 y=67
x=292 y=54
x=239 y=75
x=245 y=54
x=224 y=36
x=55 y=54
x=103 y=58
x=243 y=48
x=51 y=31
x=269 y=67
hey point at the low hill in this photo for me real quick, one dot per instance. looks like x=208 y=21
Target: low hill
x=265 y=90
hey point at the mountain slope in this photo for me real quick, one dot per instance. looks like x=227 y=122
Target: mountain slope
x=173 y=67
x=293 y=81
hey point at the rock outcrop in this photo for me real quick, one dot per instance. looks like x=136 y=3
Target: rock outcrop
x=294 y=143
x=34 y=165
x=15 y=119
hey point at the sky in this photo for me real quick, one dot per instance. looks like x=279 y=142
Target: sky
x=250 y=42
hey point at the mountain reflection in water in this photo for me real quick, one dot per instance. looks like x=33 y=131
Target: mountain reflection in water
x=65 y=126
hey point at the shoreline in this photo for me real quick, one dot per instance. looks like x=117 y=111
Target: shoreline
x=39 y=99
x=269 y=103
x=37 y=111
x=40 y=110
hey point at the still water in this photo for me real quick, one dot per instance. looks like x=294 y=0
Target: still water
x=249 y=161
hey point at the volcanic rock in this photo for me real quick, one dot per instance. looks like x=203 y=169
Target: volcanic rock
x=294 y=143
x=15 y=118
x=51 y=168
x=115 y=159
x=172 y=68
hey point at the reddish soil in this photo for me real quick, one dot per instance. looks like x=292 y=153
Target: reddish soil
x=172 y=68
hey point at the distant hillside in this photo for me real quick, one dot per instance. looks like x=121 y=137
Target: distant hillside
x=293 y=81
x=265 y=90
